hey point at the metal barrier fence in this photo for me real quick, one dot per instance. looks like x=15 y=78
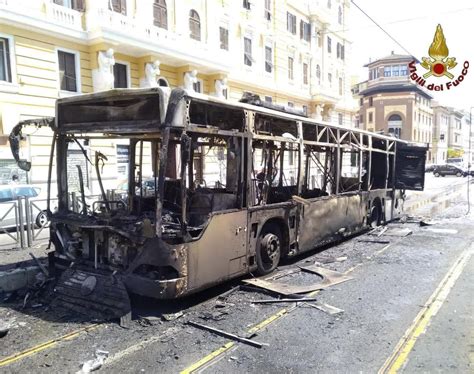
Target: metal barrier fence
x=24 y=219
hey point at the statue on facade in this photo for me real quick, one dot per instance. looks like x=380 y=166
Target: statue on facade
x=103 y=76
x=190 y=78
x=318 y=112
x=220 y=86
x=152 y=72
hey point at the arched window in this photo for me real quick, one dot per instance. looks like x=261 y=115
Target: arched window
x=194 y=25
x=395 y=125
x=160 y=14
x=339 y=15
x=162 y=82
x=395 y=117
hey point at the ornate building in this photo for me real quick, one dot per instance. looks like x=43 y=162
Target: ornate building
x=290 y=52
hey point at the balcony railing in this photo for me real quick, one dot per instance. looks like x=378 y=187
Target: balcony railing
x=62 y=15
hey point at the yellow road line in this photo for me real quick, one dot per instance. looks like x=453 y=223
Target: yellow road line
x=43 y=346
x=398 y=358
x=280 y=314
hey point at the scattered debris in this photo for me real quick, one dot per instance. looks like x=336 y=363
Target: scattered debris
x=216 y=316
x=373 y=241
x=41 y=266
x=95 y=295
x=172 y=316
x=283 y=300
x=95 y=363
x=325 y=308
x=332 y=259
x=382 y=231
x=15 y=279
x=329 y=278
x=240 y=339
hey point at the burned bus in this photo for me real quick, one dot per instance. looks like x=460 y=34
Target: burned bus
x=235 y=187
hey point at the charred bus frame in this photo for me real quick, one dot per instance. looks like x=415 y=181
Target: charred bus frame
x=188 y=236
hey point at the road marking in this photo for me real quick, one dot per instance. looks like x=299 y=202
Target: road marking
x=398 y=358
x=46 y=345
x=280 y=314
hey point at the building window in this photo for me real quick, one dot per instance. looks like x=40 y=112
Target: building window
x=160 y=16
x=268 y=10
x=67 y=71
x=224 y=38
x=5 y=67
x=194 y=25
x=395 y=70
x=361 y=101
x=268 y=59
x=72 y=4
x=305 y=31
x=371 y=101
x=291 y=23
x=246 y=4
x=329 y=45
x=290 y=104
x=441 y=137
x=119 y=6
x=290 y=68
x=197 y=86
x=318 y=73
x=371 y=117
x=319 y=37
x=329 y=4
x=120 y=75
x=248 y=51
x=338 y=50
x=305 y=110
x=387 y=71
x=268 y=99
x=340 y=86
x=403 y=70
x=330 y=79
x=339 y=15
x=305 y=73
x=340 y=118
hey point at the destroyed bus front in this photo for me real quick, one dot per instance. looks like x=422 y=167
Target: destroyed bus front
x=116 y=234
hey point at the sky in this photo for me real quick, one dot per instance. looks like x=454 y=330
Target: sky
x=413 y=23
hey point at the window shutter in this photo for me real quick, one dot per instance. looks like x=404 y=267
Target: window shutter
x=78 y=5
x=70 y=71
x=62 y=66
x=301 y=29
x=123 y=7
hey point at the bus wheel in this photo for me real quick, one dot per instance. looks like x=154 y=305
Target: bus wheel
x=374 y=216
x=268 y=249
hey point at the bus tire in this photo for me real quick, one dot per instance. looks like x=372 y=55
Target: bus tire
x=375 y=215
x=269 y=247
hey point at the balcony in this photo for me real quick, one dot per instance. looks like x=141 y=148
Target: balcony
x=66 y=17
x=43 y=16
x=133 y=36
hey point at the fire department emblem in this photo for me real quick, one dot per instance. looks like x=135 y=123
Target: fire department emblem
x=438 y=63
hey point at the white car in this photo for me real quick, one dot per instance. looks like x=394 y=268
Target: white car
x=9 y=195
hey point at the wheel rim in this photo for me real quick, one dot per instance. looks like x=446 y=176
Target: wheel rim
x=270 y=250
x=42 y=220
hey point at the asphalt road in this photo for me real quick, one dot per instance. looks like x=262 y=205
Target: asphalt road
x=419 y=287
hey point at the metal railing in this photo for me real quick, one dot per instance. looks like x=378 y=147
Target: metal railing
x=23 y=220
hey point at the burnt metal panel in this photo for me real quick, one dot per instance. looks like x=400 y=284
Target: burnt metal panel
x=327 y=217
x=116 y=111
x=410 y=166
